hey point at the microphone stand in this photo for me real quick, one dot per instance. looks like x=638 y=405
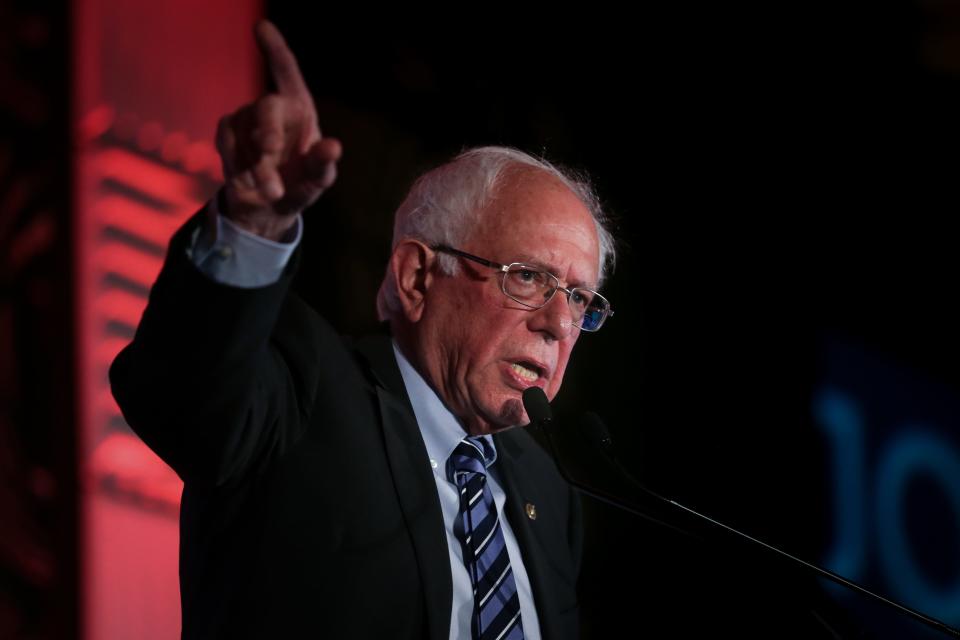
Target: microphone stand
x=538 y=409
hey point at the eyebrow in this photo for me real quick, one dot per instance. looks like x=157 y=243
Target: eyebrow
x=533 y=262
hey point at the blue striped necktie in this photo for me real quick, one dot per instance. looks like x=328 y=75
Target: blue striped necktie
x=496 y=606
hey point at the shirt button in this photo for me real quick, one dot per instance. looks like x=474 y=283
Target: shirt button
x=225 y=252
x=433 y=463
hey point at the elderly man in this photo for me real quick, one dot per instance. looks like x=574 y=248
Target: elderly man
x=369 y=488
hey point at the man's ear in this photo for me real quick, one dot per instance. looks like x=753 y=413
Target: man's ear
x=412 y=269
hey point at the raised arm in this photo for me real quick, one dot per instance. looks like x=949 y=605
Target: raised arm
x=221 y=379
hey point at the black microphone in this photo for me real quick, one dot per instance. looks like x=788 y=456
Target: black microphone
x=596 y=432
x=541 y=415
x=593 y=428
x=537 y=406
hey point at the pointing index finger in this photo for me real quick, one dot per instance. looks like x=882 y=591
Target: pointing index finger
x=283 y=64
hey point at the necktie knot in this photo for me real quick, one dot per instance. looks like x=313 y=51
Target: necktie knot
x=472 y=455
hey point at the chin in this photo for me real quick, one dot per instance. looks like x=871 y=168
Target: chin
x=512 y=413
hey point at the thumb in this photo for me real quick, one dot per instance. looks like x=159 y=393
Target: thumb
x=320 y=162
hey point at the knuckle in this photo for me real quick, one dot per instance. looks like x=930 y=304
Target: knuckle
x=243 y=180
x=268 y=101
x=263 y=171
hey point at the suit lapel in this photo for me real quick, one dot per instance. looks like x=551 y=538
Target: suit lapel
x=521 y=489
x=416 y=488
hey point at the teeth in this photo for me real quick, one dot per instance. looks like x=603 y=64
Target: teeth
x=525 y=373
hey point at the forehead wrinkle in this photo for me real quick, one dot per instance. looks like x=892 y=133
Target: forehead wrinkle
x=554 y=269
x=551 y=261
x=574 y=234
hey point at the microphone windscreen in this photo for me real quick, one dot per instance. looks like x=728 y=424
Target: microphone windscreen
x=536 y=404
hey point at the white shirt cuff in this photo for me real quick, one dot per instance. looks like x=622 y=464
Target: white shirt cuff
x=234 y=256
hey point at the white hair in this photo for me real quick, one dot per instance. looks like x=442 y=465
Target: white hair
x=442 y=208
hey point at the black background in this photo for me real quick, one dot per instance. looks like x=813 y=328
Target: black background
x=778 y=175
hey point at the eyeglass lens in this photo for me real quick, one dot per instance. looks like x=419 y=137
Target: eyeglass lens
x=534 y=287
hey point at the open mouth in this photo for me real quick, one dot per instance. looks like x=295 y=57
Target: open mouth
x=527 y=370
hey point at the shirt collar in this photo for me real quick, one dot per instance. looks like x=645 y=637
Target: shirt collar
x=441 y=430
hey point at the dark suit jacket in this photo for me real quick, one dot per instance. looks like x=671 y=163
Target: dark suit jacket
x=309 y=506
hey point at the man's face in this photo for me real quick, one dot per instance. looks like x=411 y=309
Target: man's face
x=481 y=349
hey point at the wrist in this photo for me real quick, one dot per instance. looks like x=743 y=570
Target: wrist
x=265 y=223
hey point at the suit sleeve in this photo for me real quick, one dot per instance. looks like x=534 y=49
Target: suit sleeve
x=204 y=383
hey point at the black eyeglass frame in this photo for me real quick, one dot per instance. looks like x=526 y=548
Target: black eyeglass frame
x=505 y=269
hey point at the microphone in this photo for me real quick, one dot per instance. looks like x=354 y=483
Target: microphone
x=593 y=428
x=596 y=432
x=537 y=406
x=541 y=415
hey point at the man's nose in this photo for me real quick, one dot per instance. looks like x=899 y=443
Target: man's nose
x=554 y=319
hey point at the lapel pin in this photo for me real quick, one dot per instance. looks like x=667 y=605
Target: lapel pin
x=531 y=510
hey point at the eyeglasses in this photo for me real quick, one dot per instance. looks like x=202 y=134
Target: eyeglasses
x=533 y=287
